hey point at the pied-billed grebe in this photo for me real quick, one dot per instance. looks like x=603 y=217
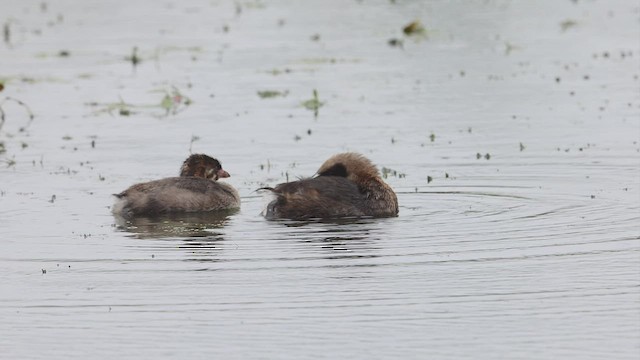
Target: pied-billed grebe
x=346 y=185
x=196 y=189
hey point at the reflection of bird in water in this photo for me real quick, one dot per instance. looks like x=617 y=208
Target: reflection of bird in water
x=196 y=225
x=346 y=185
x=195 y=190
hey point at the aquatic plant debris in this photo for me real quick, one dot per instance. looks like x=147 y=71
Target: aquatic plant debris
x=266 y=94
x=3 y=114
x=314 y=103
x=386 y=172
x=172 y=102
x=567 y=24
x=134 y=58
x=415 y=28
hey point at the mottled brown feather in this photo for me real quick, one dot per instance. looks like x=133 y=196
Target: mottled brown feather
x=196 y=192
x=347 y=185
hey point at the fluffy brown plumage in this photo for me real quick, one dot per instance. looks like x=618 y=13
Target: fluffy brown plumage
x=196 y=189
x=346 y=185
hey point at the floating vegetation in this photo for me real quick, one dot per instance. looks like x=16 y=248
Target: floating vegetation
x=172 y=102
x=10 y=162
x=194 y=138
x=3 y=114
x=329 y=61
x=267 y=94
x=386 y=172
x=416 y=29
x=279 y=72
x=567 y=24
x=509 y=47
x=313 y=104
x=134 y=59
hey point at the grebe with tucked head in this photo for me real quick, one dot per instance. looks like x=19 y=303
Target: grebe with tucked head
x=346 y=185
x=195 y=190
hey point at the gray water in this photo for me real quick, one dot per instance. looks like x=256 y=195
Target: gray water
x=529 y=252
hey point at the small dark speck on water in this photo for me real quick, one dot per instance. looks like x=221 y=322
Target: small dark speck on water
x=396 y=43
x=134 y=58
x=6 y=30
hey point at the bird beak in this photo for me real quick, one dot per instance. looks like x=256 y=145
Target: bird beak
x=222 y=174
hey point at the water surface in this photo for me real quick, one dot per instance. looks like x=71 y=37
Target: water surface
x=508 y=129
